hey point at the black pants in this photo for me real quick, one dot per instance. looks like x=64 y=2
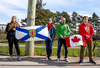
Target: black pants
x=11 y=40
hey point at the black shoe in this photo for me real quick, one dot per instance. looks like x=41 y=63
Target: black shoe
x=49 y=57
x=80 y=61
x=91 y=61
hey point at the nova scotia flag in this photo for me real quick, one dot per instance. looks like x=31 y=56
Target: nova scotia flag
x=32 y=33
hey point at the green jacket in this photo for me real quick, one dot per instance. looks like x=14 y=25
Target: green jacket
x=62 y=30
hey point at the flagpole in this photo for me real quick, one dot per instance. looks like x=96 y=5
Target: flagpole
x=29 y=47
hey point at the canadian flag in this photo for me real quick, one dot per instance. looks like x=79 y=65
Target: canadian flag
x=75 y=40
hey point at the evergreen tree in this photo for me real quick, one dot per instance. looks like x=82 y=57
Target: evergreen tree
x=95 y=16
x=40 y=4
x=66 y=16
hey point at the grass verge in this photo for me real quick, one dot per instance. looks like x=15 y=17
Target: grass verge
x=42 y=51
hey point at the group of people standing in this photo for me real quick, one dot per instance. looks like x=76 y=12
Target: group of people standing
x=85 y=30
x=62 y=30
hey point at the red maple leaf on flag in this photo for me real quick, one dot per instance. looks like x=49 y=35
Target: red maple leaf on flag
x=76 y=39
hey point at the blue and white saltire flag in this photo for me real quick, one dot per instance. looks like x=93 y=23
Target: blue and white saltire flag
x=32 y=33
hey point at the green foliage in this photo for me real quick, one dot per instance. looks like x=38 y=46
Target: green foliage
x=42 y=16
x=40 y=4
x=76 y=17
x=57 y=17
x=89 y=19
x=65 y=15
x=95 y=16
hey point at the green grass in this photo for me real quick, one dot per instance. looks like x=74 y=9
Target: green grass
x=42 y=51
x=6 y=42
x=55 y=43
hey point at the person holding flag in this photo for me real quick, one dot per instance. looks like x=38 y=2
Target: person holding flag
x=86 y=30
x=63 y=31
x=51 y=29
x=10 y=29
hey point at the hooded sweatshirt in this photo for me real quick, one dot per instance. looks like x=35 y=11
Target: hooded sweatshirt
x=62 y=30
x=86 y=29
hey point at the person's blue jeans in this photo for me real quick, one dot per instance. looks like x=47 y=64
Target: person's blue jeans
x=49 y=47
x=60 y=42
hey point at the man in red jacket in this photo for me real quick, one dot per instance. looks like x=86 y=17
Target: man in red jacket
x=86 y=30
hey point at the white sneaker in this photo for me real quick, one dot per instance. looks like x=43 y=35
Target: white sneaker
x=19 y=58
x=58 y=59
x=46 y=57
x=10 y=58
x=66 y=59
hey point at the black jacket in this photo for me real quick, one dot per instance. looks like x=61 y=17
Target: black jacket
x=9 y=33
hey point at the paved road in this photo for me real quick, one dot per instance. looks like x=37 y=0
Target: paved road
x=40 y=62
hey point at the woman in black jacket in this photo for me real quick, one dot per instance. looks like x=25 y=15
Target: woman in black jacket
x=10 y=29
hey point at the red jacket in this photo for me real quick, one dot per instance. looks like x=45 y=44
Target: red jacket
x=86 y=30
x=49 y=26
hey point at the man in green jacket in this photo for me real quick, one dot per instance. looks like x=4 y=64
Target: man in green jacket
x=63 y=31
